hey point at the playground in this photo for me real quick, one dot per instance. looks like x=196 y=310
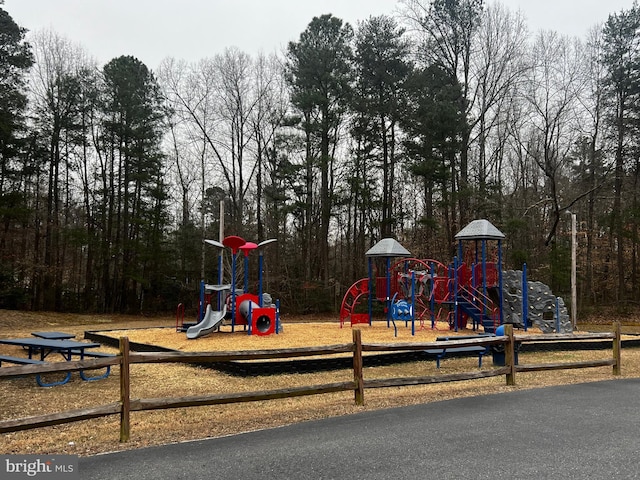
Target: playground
x=259 y=325
x=469 y=292
x=22 y=397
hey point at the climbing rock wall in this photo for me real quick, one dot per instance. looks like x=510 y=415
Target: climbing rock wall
x=512 y=297
x=542 y=304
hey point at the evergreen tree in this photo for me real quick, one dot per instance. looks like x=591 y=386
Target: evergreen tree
x=382 y=67
x=621 y=57
x=448 y=28
x=434 y=124
x=134 y=195
x=319 y=68
x=15 y=60
x=16 y=165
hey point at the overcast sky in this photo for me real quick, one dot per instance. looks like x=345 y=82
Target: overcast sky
x=192 y=29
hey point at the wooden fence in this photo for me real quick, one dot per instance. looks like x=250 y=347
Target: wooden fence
x=126 y=358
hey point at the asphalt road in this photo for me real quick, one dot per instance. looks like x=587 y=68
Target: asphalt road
x=575 y=432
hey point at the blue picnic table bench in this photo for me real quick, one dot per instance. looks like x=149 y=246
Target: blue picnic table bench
x=479 y=350
x=31 y=361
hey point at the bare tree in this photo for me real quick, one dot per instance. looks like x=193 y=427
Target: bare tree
x=554 y=85
x=216 y=97
x=592 y=170
x=267 y=117
x=56 y=91
x=497 y=69
x=237 y=100
x=189 y=90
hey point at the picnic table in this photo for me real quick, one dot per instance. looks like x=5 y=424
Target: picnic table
x=471 y=349
x=53 y=335
x=45 y=346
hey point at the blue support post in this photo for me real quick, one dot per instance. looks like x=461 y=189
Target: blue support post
x=500 y=284
x=484 y=269
x=233 y=292
x=246 y=273
x=525 y=298
x=413 y=303
x=201 y=306
x=484 y=280
x=388 y=296
x=432 y=299
x=220 y=275
x=370 y=291
x=260 y=262
x=474 y=285
x=455 y=293
x=277 y=316
x=557 y=314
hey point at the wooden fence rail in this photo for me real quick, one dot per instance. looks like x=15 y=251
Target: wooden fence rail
x=126 y=358
x=614 y=337
x=53 y=367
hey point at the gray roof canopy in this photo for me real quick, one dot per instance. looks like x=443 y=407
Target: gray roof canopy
x=388 y=247
x=479 y=230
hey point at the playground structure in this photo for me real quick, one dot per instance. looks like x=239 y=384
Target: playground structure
x=424 y=290
x=233 y=305
x=472 y=288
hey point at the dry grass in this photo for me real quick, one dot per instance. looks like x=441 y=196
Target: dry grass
x=21 y=397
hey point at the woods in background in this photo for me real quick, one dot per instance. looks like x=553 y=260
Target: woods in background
x=408 y=127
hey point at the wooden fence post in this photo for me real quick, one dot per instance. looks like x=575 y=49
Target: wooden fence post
x=125 y=391
x=509 y=355
x=358 y=376
x=617 y=349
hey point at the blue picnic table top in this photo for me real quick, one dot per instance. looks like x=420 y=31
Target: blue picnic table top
x=53 y=335
x=46 y=346
x=65 y=347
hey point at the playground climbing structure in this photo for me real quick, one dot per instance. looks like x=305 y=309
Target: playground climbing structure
x=425 y=291
x=235 y=306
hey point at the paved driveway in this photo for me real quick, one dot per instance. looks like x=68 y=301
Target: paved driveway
x=575 y=432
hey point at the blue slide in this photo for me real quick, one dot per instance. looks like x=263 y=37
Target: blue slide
x=210 y=323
